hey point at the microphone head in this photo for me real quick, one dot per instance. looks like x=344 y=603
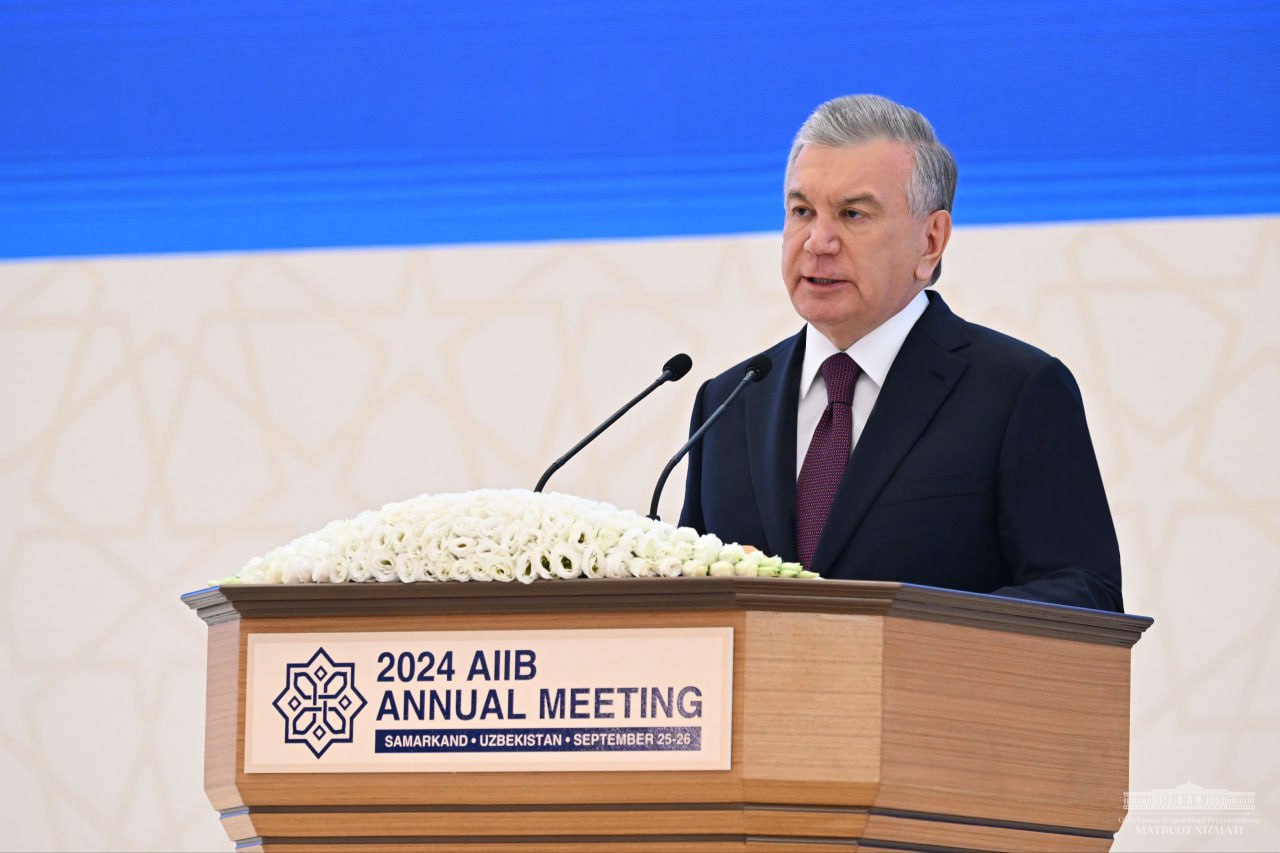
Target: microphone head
x=678 y=365
x=758 y=368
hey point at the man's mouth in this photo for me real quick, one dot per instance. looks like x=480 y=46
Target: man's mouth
x=815 y=280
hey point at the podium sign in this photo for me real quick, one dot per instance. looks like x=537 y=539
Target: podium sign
x=767 y=716
x=496 y=701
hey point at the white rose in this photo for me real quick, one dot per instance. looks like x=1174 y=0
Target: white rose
x=579 y=533
x=460 y=546
x=608 y=536
x=508 y=534
x=650 y=547
x=566 y=561
x=720 y=569
x=273 y=573
x=641 y=544
x=593 y=562
x=436 y=568
x=460 y=569
x=630 y=540
x=364 y=523
x=707 y=549
x=478 y=567
x=496 y=568
x=540 y=558
x=490 y=524
x=694 y=569
x=684 y=534
x=396 y=536
x=407 y=568
x=321 y=570
x=518 y=540
x=332 y=569
x=524 y=568
x=254 y=571
x=295 y=569
x=616 y=563
x=552 y=534
x=432 y=551
x=683 y=550
x=359 y=561
x=464 y=527
x=487 y=556
x=436 y=529
x=383 y=564
x=669 y=567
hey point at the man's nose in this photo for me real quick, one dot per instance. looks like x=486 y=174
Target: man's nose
x=822 y=238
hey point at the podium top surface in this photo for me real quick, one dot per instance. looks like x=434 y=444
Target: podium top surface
x=879 y=598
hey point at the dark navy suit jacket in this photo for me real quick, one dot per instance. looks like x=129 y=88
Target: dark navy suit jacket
x=974 y=471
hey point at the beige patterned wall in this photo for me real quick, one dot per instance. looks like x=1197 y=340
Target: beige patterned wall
x=166 y=418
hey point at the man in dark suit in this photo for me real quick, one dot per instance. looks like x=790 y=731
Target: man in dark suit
x=893 y=440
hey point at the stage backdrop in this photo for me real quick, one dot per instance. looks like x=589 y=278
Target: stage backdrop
x=271 y=267
x=171 y=417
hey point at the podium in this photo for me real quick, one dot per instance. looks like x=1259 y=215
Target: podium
x=857 y=716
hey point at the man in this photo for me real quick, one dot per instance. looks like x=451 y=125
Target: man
x=893 y=440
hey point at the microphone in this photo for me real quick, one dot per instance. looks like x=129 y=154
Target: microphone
x=757 y=368
x=675 y=368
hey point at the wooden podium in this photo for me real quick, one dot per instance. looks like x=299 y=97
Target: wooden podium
x=865 y=716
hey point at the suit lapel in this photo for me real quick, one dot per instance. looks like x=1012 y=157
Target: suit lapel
x=922 y=376
x=771 y=446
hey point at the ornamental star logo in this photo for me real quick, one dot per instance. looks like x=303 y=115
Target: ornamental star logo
x=319 y=702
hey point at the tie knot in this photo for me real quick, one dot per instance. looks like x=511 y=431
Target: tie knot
x=839 y=372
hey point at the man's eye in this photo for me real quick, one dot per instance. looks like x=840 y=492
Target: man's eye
x=852 y=214
x=799 y=211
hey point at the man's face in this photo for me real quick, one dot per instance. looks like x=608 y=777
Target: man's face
x=852 y=253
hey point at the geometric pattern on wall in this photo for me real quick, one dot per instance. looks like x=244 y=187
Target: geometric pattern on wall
x=169 y=417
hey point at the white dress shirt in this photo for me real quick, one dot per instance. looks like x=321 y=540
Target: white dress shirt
x=874 y=354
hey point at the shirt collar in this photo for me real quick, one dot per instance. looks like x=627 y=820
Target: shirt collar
x=874 y=352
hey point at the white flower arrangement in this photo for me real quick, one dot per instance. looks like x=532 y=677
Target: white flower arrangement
x=504 y=535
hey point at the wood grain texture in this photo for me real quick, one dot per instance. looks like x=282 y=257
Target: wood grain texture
x=904 y=716
x=728 y=819
x=1004 y=726
x=223 y=737
x=811 y=703
x=814 y=823
x=515 y=822
x=811 y=824
x=219 y=604
x=882 y=829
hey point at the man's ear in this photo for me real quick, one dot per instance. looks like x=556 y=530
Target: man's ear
x=937 y=232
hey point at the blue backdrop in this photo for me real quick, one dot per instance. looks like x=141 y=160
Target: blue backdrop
x=161 y=126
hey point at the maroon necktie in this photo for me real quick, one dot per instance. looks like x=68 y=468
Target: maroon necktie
x=827 y=457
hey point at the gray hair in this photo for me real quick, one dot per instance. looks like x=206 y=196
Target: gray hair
x=855 y=119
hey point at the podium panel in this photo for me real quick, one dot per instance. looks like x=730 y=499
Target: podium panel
x=854 y=716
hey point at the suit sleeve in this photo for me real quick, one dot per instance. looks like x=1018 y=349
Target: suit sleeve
x=691 y=512
x=1055 y=524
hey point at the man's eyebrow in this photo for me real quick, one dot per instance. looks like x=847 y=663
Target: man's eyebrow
x=861 y=200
